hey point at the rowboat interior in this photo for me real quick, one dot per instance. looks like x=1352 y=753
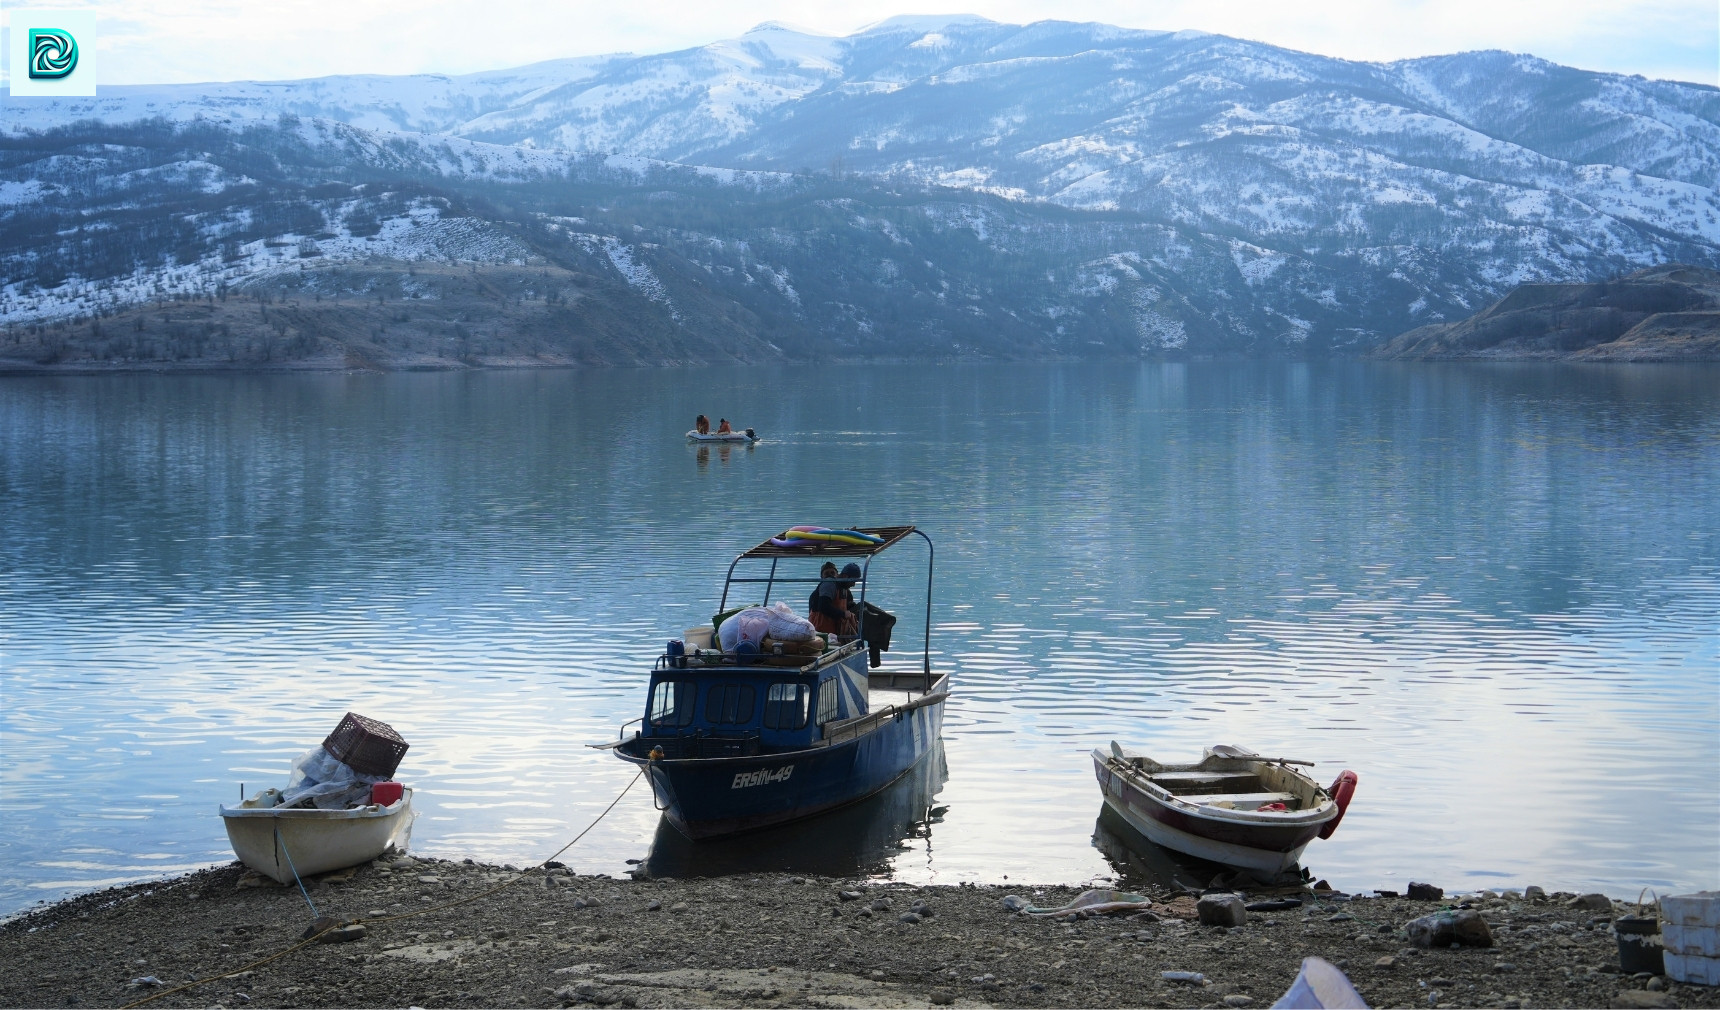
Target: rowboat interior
x=1230 y=779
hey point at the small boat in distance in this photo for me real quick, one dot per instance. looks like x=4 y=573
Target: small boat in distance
x=736 y=740
x=745 y=435
x=1232 y=807
x=275 y=840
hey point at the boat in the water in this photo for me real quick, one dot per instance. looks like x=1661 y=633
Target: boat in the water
x=744 y=739
x=858 y=840
x=278 y=841
x=744 y=435
x=1232 y=806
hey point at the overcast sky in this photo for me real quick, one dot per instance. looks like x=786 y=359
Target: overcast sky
x=153 y=41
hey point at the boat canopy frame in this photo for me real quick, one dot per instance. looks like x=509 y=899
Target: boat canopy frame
x=830 y=550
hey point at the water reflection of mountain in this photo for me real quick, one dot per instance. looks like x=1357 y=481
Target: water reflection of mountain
x=853 y=841
x=1137 y=858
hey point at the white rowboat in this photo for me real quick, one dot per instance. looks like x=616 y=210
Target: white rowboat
x=727 y=436
x=1232 y=806
x=275 y=841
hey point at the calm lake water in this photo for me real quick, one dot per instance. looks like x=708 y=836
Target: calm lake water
x=1490 y=590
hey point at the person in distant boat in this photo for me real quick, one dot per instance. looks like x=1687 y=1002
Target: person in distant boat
x=702 y=424
x=723 y=427
x=831 y=607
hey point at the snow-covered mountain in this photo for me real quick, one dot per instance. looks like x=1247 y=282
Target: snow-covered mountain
x=1271 y=195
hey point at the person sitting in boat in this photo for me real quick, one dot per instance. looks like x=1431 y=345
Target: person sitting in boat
x=849 y=575
x=702 y=424
x=723 y=427
x=831 y=606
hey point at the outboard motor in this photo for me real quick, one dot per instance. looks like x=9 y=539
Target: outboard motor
x=750 y=434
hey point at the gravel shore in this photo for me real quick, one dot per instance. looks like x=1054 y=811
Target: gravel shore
x=557 y=939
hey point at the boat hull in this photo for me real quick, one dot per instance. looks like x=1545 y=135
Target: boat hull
x=1264 y=850
x=315 y=841
x=727 y=437
x=709 y=797
x=857 y=840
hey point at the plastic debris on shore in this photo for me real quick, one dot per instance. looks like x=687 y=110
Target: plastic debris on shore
x=1320 y=985
x=1098 y=902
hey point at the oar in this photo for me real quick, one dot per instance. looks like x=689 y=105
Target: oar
x=1238 y=754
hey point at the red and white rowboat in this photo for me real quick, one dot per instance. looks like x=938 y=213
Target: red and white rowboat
x=1232 y=806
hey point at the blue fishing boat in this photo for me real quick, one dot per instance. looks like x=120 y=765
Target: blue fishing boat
x=743 y=739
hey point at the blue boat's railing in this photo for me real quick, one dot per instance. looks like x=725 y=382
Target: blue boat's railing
x=848 y=729
x=865 y=554
x=730 y=661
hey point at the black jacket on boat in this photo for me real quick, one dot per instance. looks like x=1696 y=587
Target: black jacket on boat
x=877 y=627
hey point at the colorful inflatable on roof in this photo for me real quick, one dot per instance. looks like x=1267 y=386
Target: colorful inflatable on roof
x=808 y=536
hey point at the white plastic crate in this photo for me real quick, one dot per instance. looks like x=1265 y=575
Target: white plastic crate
x=1699 y=909
x=1690 y=933
x=1692 y=968
x=1698 y=941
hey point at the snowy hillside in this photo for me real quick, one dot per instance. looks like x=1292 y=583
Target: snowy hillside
x=1209 y=194
x=422 y=103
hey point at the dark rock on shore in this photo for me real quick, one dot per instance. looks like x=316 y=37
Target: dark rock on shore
x=1443 y=929
x=1221 y=910
x=1665 y=313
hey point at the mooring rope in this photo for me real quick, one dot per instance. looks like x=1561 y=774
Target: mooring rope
x=391 y=918
x=282 y=842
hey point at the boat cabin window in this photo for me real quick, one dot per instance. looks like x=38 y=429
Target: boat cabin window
x=785 y=706
x=672 y=703
x=727 y=704
x=826 y=700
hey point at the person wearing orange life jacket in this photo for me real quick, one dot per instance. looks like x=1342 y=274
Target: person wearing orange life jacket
x=832 y=603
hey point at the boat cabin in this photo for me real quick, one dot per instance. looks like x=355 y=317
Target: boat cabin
x=704 y=703
x=729 y=710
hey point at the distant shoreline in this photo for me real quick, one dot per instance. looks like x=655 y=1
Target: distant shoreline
x=21 y=369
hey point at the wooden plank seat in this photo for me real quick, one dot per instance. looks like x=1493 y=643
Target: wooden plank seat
x=1177 y=782
x=1244 y=801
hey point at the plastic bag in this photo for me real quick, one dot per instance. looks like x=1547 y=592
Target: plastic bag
x=751 y=626
x=788 y=626
x=1320 y=985
x=321 y=780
